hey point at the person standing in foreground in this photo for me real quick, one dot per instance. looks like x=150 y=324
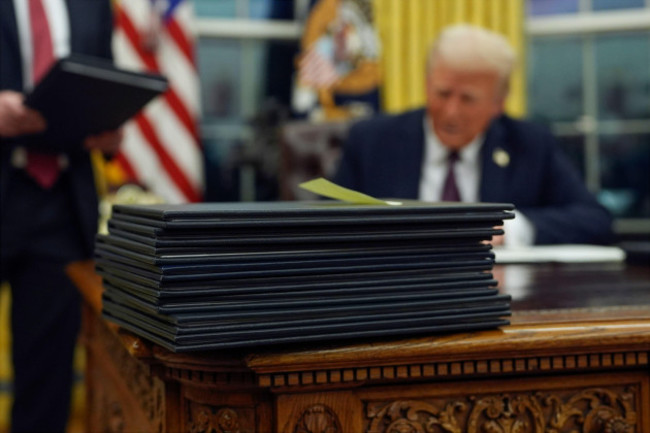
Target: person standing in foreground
x=48 y=203
x=462 y=147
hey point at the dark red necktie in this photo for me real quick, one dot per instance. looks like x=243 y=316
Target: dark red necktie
x=450 y=189
x=43 y=168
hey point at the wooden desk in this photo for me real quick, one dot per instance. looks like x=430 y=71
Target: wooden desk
x=575 y=359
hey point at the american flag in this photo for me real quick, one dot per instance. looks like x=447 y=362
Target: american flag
x=161 y=149
x=316 y=70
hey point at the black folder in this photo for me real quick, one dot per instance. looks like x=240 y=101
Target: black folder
x=171 y=289
x=270 y=239
x=82 y=95
x=442 y=315
x=221 y=275
x=152 y=225
x=121 y=252
x=317 y=266
x=158 y=276
x=211 y=343
x=269 y=312
x=201 y=299
x=263 y=213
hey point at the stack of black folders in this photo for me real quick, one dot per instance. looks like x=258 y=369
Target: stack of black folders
x=225 y=275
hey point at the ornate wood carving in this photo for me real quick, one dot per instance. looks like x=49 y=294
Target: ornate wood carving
x=411 y=416
x=149 y=391
x=595 y=410
x=208 y=419
x=318 y=418
x=115 y=421
x=474 y=368
x=508 y=414
x=237 y=379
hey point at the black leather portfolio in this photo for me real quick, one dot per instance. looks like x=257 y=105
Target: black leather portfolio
x=287 y=213
x=149 y=246
x=284 y=324
x=444 y=313
x=295 y=263
x=175 y=288
x=225 y=275
x=239 y=273
x=352 y=333
x=81 y=95
x=203 y=299
x=106 y=246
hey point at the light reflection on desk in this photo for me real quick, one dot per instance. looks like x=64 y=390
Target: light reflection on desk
x=574 y=290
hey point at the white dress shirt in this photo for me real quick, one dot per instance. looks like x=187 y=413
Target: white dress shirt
x=58 y=21
x=518 y=231
x=434 y=168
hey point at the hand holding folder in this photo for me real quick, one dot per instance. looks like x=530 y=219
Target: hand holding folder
x=82 y=96
x=15 y=118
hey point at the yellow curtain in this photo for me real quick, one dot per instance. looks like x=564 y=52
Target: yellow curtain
x=407 y=27
x=5 y=358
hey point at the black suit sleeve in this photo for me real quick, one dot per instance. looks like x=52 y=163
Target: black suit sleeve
x=567 y=211
x=348 y=173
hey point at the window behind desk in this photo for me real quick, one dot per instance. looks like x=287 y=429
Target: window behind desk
x=589 y=80
x=246 y=52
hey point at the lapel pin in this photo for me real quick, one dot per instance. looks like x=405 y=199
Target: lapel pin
x=501 y=157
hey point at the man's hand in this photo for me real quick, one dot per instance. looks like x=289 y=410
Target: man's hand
x=107 y=142
x=17 y=119
x=497 y=240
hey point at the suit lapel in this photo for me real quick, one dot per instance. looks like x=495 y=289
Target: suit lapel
x=11 y=75
x=495 y=171
x=412 y=154
x=75 y=41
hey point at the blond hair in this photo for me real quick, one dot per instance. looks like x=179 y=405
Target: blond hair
x=471 y=48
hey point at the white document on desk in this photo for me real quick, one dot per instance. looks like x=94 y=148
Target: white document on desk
x=569 y=253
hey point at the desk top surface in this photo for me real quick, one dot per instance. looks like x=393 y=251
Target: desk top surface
x=551 y=292
x=555 y=308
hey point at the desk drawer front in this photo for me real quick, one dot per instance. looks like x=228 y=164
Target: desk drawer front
x=594 y=404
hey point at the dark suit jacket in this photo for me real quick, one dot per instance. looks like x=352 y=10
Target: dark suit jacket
x=383 y=158
x=91 y=25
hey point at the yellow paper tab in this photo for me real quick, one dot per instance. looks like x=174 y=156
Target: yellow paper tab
x=329 y=189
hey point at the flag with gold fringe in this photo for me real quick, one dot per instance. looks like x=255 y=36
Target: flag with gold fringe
x=337 y=71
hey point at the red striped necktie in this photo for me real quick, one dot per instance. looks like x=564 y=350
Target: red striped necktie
x=42 y=167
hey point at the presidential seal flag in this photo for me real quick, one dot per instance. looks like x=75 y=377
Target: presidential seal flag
x=338 y=72
x=161 y=149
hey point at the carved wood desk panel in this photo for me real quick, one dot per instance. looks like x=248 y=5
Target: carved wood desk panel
x=575 y=359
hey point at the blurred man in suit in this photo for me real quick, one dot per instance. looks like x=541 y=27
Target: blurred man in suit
x=461 y=147
x=48 y=203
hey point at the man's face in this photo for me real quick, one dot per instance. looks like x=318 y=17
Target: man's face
x=461 y=104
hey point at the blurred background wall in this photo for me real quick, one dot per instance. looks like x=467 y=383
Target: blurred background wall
x=584 y=71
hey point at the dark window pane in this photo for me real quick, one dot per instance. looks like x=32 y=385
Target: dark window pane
x=245 y=92
x=623 y=76
x=600 y=5
x=625 y=182
x=259 y=9
x=271 y=9
x=216 y=8
x=550 y=7
x=237 y=77
x=254 y=9
x=555 y=79
x=221 y=169
x=220 y=73
x=278 y=70
x=574 y=148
